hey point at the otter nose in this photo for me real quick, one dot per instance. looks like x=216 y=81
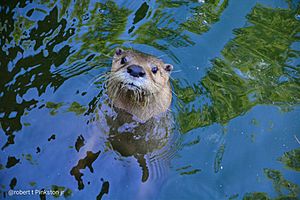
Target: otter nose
x=136 y=71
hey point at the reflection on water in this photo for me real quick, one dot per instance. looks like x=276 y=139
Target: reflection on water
x=256 y=68
x=52 y=50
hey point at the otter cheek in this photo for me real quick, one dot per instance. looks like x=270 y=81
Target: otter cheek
x=162 y=81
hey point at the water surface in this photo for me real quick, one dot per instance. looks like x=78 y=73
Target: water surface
x=236 y=104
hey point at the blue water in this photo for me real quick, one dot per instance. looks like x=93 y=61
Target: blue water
x=235 y=106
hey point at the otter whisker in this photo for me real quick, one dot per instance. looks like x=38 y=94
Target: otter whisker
x=112 y=94
x=119 y=89
x=116 y=91
x=163 y=55
x=112 y=77
x=106 y=55
x=102 y=75
x=168 y=109
x=97 y=79
x=172 y=78
x=138 y=95
x=137 y=100
x=147 y=100
x=174 y=93
x=176 y=71
x=110 y=80
x=158 y=87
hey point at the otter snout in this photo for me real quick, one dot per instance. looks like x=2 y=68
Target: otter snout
x=136 y=71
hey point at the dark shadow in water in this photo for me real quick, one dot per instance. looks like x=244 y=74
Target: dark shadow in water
x=11 y=161
x=104 y=190
x=79 y=143
x=13 y=183
x=18 y=76
x=82 y=164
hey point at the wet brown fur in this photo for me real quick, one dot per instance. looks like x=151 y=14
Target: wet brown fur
x=151 y=98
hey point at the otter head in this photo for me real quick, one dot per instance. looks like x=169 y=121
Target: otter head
x=139 y=83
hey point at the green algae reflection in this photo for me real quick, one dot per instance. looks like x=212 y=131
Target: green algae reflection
x=291 y=159
x=165 y=30
x=256 y=68
x=280 y=183
x=76 y=108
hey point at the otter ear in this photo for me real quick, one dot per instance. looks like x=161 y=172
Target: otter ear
x=168 y=67
x=119 y=51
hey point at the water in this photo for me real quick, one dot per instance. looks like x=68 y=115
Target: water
x=236 y=110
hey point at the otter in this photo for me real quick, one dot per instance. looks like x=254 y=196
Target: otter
x=135 y=120
x=139 y=84
x=139 y=88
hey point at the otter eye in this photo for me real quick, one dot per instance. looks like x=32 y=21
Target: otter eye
x=124 y=60
x=154 y=70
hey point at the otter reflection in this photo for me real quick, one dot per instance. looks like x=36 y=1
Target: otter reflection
x=131 y=137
